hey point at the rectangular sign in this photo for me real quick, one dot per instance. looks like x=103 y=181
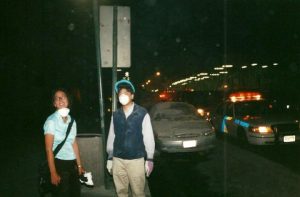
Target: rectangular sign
x=123 y=36
x=106 y=35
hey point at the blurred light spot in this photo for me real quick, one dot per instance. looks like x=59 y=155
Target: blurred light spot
x=71 y=26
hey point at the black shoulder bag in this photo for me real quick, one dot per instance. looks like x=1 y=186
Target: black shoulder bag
x=44 y=177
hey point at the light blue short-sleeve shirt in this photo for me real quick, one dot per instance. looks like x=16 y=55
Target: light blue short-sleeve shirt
x=55 y=125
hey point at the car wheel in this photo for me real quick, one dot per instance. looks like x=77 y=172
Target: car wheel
x=242 y=137
x=219 y=133
x=157 y=153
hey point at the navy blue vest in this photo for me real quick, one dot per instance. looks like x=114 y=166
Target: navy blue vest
x=128 y=143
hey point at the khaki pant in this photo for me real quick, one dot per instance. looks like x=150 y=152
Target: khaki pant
x=129 y=172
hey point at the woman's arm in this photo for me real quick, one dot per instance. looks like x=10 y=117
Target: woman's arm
x=55 y=178
x=78 y=160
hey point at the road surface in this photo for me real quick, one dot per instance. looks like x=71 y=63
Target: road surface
x=231 y=171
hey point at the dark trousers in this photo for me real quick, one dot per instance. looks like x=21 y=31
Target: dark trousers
x=69 y=184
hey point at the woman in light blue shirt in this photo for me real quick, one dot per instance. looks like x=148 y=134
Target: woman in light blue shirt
x=65 y=167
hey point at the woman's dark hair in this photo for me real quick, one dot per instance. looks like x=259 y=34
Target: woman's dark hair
x=67 y=95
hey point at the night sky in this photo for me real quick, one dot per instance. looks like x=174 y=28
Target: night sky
x=46 y=44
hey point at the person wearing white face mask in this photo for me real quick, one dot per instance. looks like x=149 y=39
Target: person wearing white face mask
x=130 y=143
x=65 y=167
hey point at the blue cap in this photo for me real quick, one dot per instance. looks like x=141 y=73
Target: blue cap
x=124 y=82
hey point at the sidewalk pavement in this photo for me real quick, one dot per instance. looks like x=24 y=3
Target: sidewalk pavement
x=106 y=192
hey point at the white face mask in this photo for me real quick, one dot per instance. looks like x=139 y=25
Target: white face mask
x=63 y=112
x=124 y=99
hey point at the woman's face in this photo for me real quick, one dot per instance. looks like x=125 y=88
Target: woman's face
x=60 y=100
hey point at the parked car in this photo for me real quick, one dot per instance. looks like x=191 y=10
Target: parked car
x=179 y=128
x=251 y=119
x=204 y=101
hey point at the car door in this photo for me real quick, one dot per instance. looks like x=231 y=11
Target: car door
x=228 y=122
x=231 y=124
x=217 y=117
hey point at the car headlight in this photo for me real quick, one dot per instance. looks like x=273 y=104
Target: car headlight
x=200 y=111
x=262 y=129
x=203 y=112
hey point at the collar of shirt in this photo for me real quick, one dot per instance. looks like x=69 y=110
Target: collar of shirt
x=130 y=109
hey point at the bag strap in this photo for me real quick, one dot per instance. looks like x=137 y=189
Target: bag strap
x=60 y=145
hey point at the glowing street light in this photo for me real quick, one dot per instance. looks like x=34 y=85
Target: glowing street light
x=227 y=66
x=218 y=68
x=223 y=72
x=202 y=74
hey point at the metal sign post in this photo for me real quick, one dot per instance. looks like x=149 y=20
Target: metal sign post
x=115 y=55
x=100 y=87
x=115 y=41
x=112 y=35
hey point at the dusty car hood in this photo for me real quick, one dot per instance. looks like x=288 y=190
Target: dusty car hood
x=170 y=128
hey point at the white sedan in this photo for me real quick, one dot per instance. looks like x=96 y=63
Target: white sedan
x=179 y=128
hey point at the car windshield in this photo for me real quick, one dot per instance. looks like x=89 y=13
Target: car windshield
x=176 y=111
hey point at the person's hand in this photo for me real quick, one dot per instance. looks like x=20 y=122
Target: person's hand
x=148 y=167
x=81 y=170
x=109 y=166
x=55 y=178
